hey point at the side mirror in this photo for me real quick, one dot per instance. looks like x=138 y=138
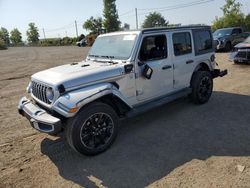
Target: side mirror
x=147 y=72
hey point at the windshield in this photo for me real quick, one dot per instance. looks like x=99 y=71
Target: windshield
x=222 y=32
x=113 y=46
x=247 y=40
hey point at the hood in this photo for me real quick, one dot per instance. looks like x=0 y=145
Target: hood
x=243 y=45
x=78 y=74
x=219 y=37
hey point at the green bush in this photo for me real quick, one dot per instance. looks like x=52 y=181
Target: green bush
x=2 y=45
x=66 y=41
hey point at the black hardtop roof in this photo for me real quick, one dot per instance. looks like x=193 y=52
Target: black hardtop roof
x=148 y=30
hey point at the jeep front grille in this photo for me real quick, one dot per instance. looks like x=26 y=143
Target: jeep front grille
x=241 y=54
x=39 y=91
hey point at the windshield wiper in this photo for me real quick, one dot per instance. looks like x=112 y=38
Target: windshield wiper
x=90 y=55
x=108 y=57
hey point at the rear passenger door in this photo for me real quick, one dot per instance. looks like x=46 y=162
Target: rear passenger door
x=237 y=36
x=183 y=58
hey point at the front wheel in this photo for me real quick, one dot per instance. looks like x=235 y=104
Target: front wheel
x=202 y=87
x=93 y=130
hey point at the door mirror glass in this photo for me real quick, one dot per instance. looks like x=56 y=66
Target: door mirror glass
x=147 y=71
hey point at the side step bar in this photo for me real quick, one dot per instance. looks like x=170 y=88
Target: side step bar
x=158 y=102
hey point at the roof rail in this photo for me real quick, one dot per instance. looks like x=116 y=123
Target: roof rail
x=197 y=26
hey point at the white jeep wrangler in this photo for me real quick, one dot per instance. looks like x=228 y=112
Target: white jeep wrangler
x=125 y=73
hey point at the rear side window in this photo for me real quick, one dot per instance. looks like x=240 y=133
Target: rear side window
x=182 y=43
x=236 y=31
x=203 y=42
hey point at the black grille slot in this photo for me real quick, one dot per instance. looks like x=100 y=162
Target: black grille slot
x=39 y=91
x=248 y=55
x=241 y=54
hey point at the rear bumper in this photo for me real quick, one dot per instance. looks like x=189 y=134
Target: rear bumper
x=38 y=117
x=219 y=73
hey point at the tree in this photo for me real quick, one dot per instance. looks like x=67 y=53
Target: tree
x=231 y=7
x=111 y=20
x=247 y=22
x=154 y=19
x=32 y=33
x=93 y=24
x=4 y=35
x=232 y=16
x=15 y=36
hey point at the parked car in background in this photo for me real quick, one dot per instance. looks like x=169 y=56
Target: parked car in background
x=82 y=42
x=226 y=38
x=241 y=52
x=246 y=34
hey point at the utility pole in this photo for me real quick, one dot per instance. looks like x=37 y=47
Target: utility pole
x=76 y=29
x=136 y=17
x=44 y=34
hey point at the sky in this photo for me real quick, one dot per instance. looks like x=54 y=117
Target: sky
x=57 y=17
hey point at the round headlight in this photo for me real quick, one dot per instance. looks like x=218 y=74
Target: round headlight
x=50 y=94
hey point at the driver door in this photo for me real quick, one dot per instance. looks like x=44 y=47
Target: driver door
x=153 y=54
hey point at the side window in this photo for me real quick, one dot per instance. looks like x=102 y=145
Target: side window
x=153 y=48
x=182 y=43
x=203 y=42
x=237 y=31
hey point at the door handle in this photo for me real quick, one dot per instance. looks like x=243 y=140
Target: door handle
x=166 y=67
x=189 y=61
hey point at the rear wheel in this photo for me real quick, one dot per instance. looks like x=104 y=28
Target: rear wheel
x=202 y=87
x=236 y=62
x=93 y=130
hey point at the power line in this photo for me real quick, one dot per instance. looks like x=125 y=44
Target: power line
x=162 y=9
x=126 y=13
x=68 y=26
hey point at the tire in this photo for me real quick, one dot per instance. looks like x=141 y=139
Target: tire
x=228 y=47
x=93 y=130
x=202 y=87
x=236 y=62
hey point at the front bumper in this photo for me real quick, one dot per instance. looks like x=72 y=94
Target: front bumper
x=219 y=45
x=219 y=73
x=240 y=55
x=39 y=119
